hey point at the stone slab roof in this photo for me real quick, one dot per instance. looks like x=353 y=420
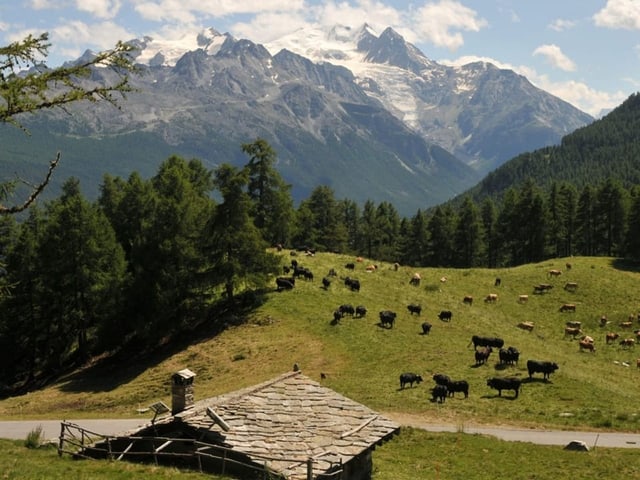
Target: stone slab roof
x=291 y=417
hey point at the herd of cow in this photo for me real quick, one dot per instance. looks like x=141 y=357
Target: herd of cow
x=483 y=346
x=446 y=387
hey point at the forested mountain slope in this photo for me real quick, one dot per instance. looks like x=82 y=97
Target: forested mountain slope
x=606 y=149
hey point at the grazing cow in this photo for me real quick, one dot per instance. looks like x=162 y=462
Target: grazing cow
x=387 y=318
x=352 y=283
x=626 y=324
x=479 y=341
x=441 y=378
x=337 y=316
x=396 y=266
x=371 y=268
x=439 y=393
x=414 y=308
x=332 y=273
x=523 y=298
x=443 y=279
x=505 y=383
x=409 y=378
x=542 y=288
x=285 y=283
x=572 y=331
x=611 y=337
x=571 y=286
x=567 y=266
x=491 y=298
x=346 y=309
x=468 y=299
x=415 y=279
x=628 y=342
x=482 y=355
x=586 y=345
x=445 y=315
x=350 y=266
x=509 y=356
x=308 y=274
x=568 y=307
x=573 y=324
x=554 y=273
x=528 y=326
x=426 y=328
x=546 y=368
x=603 y=320
x=458 y=386
x=497 y=282
x=361 y=311
x=326 y=283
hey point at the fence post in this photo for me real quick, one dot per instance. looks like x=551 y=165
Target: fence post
x=309 y=468
x=61 y=441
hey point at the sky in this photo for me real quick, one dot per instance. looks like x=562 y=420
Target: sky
x=586 y=52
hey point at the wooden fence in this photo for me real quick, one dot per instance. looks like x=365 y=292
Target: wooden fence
x=81 y=443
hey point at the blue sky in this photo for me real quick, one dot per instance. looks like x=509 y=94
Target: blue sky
x=586 y=52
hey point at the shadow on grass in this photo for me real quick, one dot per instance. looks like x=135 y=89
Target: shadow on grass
x=131 y=359
x=625 y=265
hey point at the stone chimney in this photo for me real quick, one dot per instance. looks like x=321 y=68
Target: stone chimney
x=182 y=396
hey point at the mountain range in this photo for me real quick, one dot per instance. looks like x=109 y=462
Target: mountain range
x=368 y=115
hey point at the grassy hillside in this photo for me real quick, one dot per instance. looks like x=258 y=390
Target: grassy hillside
x=363 y=361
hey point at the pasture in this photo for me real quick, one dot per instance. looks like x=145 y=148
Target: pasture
x=363 y=360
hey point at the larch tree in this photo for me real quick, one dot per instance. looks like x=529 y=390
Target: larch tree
x=27 y=85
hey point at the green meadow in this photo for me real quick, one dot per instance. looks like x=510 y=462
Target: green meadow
x=360 y=359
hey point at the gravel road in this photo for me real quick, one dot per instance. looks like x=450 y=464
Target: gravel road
x=51 y=430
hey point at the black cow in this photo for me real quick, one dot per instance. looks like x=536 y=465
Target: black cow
x=479 y=341
x=505 y=383
x=439 y=393
x=426 y=328
x=441 y=379
x=350 y=266
x=409 y=378
x=337 y=316
x=326 y=283
x=387 y=317
x=509 y=355
x=414 y=308
x=346 y=309
x=482 y=355
x=361 y=311
x=445 y=315
x=352 y=283
x=458 y=386
x=285 y=283
x=546 y=368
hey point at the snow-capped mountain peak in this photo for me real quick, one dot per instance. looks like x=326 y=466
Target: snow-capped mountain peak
x=166 y=52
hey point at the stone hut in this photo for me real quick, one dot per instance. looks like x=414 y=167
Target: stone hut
x=291 y=426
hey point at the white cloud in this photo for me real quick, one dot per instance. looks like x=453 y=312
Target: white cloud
x=440 y=23
x=266 y=27
x=44 y=4
x=623 y=14
x=555 y=57
x=188 y=11
x=373 y=12
x=100 y=8
x=74 y=38
x=561 y=25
